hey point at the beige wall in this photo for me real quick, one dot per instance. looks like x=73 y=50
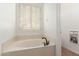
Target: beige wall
x=7 y=21
x=69 y=22
x=51 y=24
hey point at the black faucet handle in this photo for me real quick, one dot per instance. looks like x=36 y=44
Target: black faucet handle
x=47 y=43
x=44 y=43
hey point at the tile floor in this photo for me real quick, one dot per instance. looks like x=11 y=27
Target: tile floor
x=66 y=52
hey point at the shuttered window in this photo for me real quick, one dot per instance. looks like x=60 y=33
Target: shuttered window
x=30 y=18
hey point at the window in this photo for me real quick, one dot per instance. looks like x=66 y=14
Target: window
x=29 y=18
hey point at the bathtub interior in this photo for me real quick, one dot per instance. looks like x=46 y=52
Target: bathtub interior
x=29 y=43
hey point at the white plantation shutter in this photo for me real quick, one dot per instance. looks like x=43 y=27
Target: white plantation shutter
x=35 y=18
x=29 y=18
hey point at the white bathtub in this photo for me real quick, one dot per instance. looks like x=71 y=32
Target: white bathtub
x=30 y=47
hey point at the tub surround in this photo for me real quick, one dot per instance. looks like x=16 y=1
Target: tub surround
x=41 y=51
x=28 y=44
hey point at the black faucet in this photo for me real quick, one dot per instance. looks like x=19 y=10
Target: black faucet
x=47 y=42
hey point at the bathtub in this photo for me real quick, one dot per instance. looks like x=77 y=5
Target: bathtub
x=30 y=47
